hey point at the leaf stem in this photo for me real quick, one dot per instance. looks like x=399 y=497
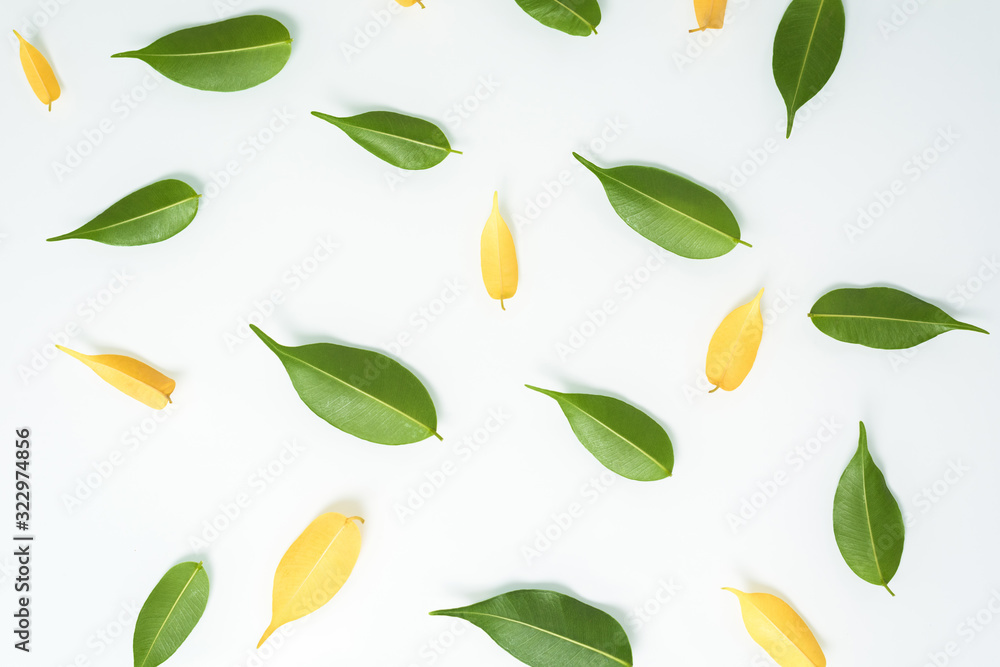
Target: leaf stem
x=742 y=242
x=886 y=587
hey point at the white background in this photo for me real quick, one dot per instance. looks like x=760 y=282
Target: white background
x=400 y=246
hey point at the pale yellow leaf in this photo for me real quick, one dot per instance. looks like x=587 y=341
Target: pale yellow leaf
x=733 y=348
x=314 y=568
x=779 y=630
x=130 y=376
x=39 y=72
x=710 y=14
x=499 y=260
x=410 y=3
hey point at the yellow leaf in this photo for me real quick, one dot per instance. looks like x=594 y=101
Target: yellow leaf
x=39 y=73
x=779 y=630
x=734 y=346
x=710 y=13
x=130 y=376
x=314 y=568
x=410 y=3
x=498 y=257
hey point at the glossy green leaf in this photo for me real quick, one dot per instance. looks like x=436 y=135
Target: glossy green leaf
x=866 y=520
x=622 y=437
x=149 y=215
x=169 y=614
x=548 y=629
x=402 y=141
x=363 y=393
x=574 y=17
x=806 y=50
x=881 y=317
x=671 y=211
x=230 y=55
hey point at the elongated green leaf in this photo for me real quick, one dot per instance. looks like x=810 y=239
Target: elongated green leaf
x=170 y=613
x=671 y=211
x=402 y=141
x=363 y=393
x=806 y=50
x=622 y=437
x=574 y=17
x=548 y=629
x=230 y=55
x=881 y=317
x=866 y=520
x=148 y=215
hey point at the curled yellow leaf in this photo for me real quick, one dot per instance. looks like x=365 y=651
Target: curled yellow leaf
x=499 y=260
x=39 y=72
x=779 y=630
x=130 y=376
x=314 y=568
x=733 y=348
x=710 y=14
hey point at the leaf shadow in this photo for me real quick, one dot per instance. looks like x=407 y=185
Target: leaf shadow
x=286 y=19
x=188 y=178
x=348 y=507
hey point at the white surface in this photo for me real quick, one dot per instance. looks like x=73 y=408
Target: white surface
x=400 y=249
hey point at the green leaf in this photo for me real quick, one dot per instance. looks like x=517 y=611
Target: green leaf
x=625 y=439
x=806 y=50
x=230 y=55
x=671 y=211
x=363 y=393
x=170 y=613
x=866 y=520
x=548 y=629
x=881 y=317
x=148 y=215
x=574 y=17
x=402 y=141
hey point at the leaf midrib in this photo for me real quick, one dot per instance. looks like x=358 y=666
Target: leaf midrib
x=607 y=174
x=315 y=565
x=781 y=632
x=134 y=54
x=587 y=23
x=363 y=393
x=569 y=400
x=549 y=632
x=805 y=58
x=395 y=136
x=169 y=614
x=138 y=217
x=732 y=357
x=868 y=517
x=955 y=325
